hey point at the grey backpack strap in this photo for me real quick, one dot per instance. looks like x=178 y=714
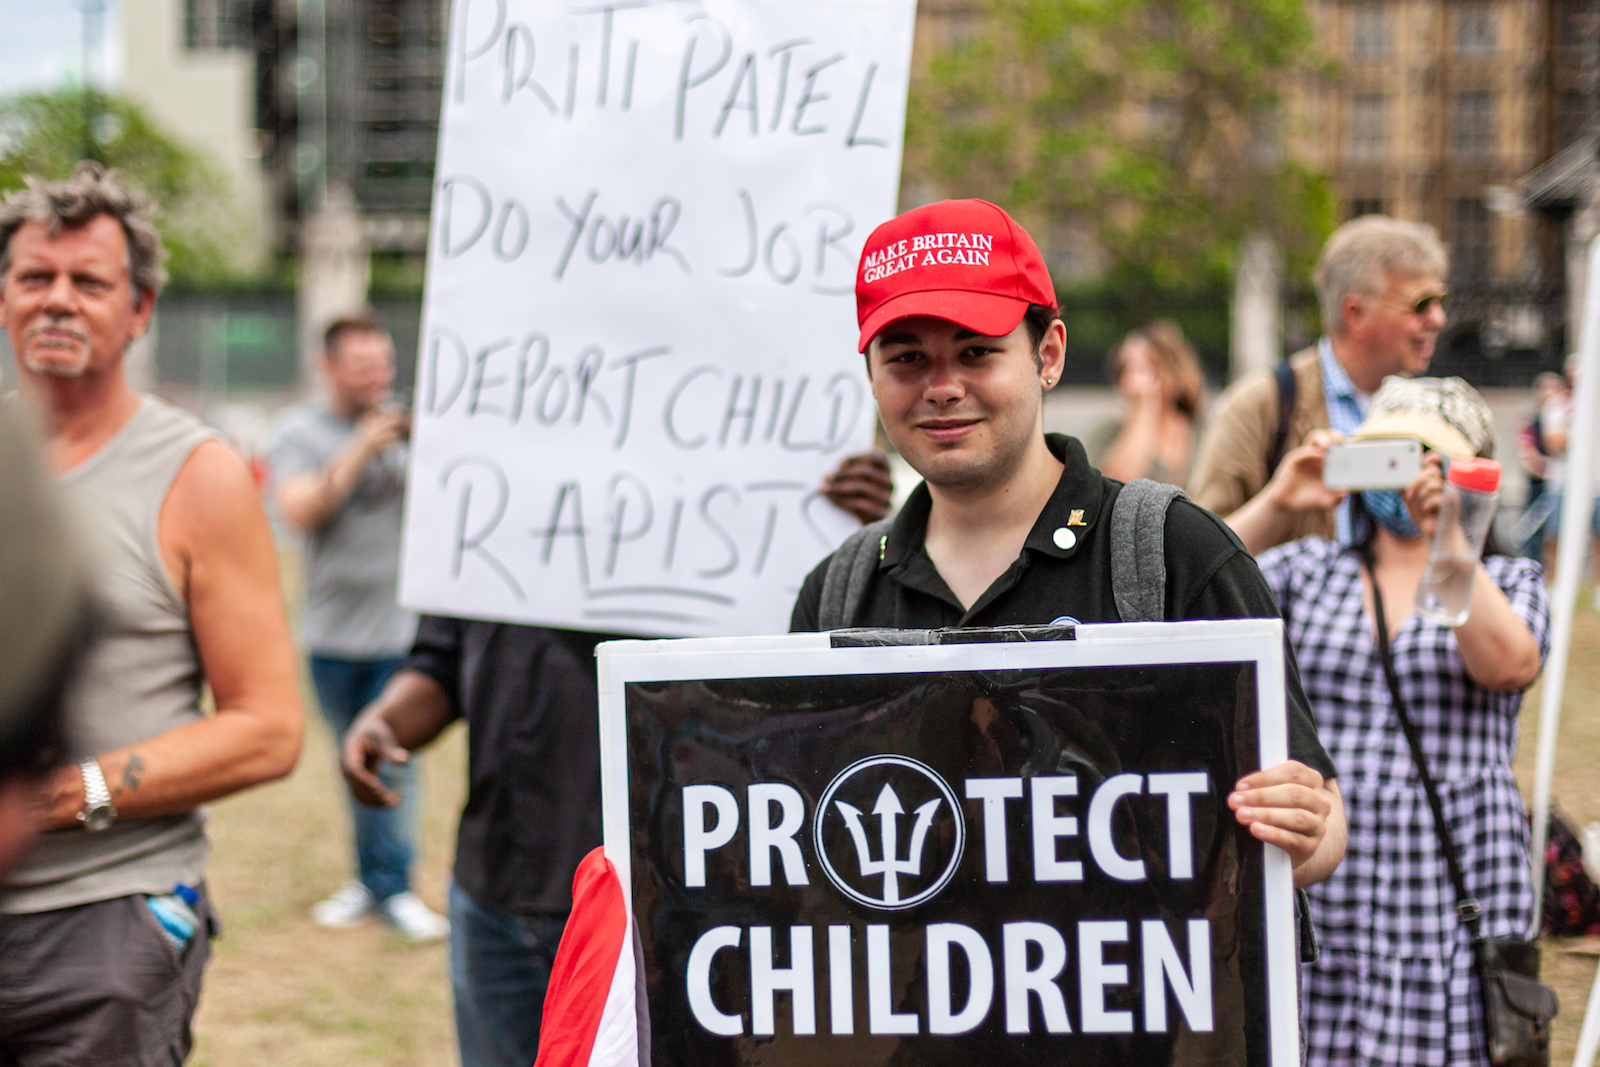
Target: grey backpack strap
x=849 y=573
x=1138 y=549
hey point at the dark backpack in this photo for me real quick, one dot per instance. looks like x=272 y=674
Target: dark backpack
x=1138 y=559
x=1571 y=900
x=1287 y=383
x=1138 y=585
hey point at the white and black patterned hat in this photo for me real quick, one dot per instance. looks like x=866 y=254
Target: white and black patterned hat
x=1445 y=414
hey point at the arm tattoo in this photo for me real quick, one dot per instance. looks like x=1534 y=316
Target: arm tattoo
x=131 y=770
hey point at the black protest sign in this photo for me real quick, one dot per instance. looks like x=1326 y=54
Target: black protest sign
x=1013 y=858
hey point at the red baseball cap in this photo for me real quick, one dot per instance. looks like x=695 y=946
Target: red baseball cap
x=965 y=261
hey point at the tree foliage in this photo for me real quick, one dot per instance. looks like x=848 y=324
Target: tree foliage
x=1150 y=126
x=45 y=135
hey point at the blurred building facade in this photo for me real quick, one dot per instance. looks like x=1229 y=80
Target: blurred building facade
x=191 y=65
x=325 y=114
x=1471 y=115
x=348 y=95
x=1438 y=111
x=1476 y=116
x=1434 y=109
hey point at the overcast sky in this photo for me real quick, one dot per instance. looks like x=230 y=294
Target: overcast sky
x=41 y=46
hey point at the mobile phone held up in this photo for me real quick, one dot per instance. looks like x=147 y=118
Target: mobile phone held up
x=1384 y=463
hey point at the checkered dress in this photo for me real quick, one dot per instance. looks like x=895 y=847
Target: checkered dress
x=1395 y=983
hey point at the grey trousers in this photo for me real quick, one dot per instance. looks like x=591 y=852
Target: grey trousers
x=98 y=984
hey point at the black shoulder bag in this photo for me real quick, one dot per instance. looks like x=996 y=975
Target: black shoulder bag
x=1517 y=1007
x=1287 y=384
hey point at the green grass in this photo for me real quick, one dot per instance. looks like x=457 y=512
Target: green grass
x=284 y=993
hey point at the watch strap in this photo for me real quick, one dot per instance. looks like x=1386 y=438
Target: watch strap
x=96 y=794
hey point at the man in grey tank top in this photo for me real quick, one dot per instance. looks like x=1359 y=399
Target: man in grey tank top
x=104 y=926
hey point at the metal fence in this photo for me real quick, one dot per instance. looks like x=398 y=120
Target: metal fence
x=223 y=344
x=1503 y=336
x=229 y=343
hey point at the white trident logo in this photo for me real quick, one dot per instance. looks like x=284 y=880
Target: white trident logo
x=890 y=864
x=888 y=809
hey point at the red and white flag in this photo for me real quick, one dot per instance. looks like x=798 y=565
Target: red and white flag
x=590 y=1015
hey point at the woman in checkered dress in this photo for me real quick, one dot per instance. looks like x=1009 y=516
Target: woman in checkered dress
x=1395 y=983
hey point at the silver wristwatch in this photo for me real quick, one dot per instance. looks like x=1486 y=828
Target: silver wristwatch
x=97 y=813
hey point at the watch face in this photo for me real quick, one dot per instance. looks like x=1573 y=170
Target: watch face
x=99 y=817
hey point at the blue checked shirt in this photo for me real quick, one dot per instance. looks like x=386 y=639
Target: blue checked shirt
x=1347 y=407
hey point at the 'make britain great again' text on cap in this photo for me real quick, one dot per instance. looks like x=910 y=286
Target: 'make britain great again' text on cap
x=965 y=261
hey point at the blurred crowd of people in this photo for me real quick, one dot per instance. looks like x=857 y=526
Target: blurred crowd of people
x=1542 y=449
x=113 y=768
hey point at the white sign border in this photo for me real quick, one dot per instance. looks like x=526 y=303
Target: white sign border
x=1258 y=641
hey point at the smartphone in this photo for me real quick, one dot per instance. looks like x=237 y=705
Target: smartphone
x=1384 y=463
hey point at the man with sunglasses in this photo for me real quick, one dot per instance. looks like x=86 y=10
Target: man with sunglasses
x=1380 y=286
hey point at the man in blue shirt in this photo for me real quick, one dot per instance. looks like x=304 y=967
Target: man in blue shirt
x=1380 y=285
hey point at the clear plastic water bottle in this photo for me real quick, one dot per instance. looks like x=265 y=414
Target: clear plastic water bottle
x=1466 y=509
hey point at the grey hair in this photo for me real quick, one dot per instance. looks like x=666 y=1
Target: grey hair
x=90 y=192
x=1362 y=253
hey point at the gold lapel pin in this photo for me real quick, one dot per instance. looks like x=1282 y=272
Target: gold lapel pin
x=1076 y=518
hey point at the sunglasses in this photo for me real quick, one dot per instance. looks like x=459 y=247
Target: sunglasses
x=1422 y=305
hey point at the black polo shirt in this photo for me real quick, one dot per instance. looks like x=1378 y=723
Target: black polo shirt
x=529 y=697
x=1210 y=575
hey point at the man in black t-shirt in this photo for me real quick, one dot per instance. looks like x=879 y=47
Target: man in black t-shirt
x=529 y=697
x=1010 y=526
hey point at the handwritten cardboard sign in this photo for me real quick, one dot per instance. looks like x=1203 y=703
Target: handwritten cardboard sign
x=638 y=353
x=991 y=853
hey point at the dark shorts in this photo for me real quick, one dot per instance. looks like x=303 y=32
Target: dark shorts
x=98 y=984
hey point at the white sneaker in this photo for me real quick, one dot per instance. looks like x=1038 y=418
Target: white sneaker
x=413 y=920
x=349 y=907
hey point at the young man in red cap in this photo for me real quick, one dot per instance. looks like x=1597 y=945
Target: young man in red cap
x=1011 y=525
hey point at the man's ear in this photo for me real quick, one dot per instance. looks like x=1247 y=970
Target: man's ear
x=1053 y=351
x=143 y=307
x=1353 y=310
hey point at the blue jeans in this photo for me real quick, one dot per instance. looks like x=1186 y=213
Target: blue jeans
x=499 y=971
x=383 y=836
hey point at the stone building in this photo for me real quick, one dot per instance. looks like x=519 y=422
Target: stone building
x=1444 y=111
x=189 y=64
x=1435 y=110
x=348 y=95
x=324 y=115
